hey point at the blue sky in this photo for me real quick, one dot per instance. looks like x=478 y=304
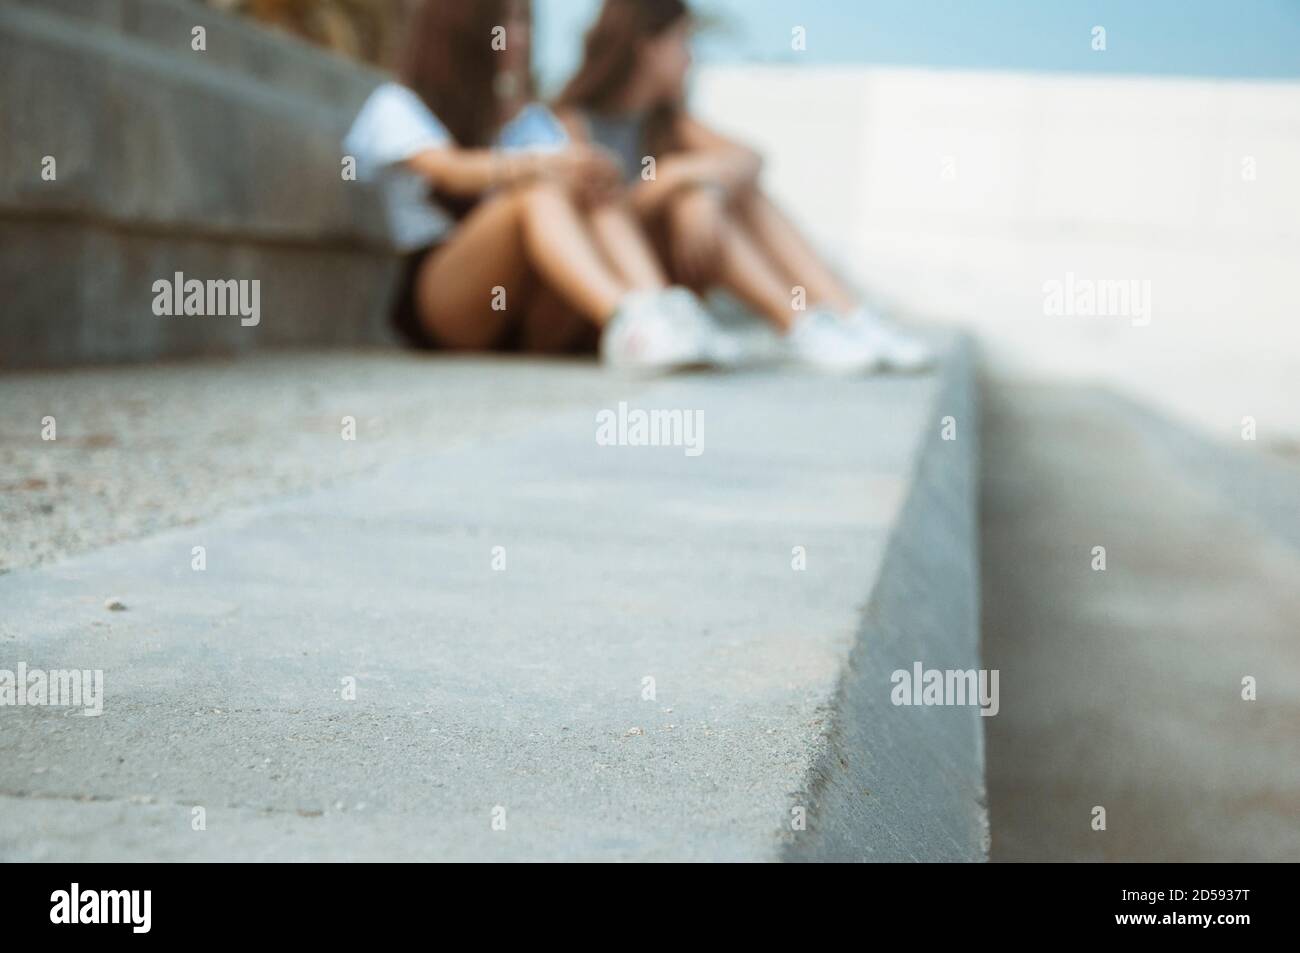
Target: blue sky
x=1219 y=38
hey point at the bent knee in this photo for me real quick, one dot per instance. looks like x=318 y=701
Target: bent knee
x=539 y=194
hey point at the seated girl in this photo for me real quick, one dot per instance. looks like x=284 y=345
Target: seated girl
x=511 y=236
x=711 y=223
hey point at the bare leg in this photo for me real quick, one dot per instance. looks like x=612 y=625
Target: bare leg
x=512 y=242
x=740 y=266
x=623 y=241
x=560 y=247
x=552 y=327
x=798 y=261
x=746 y=272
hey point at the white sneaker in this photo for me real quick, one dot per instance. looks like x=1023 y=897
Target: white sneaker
x=722 y=348
x=754 y=340
x=819 y=339
x=654 y=330
x=898 y=351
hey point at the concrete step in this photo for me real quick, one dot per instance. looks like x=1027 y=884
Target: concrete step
x=219 y=164
x=173 y=139
x=233 y=44
x=645 y=676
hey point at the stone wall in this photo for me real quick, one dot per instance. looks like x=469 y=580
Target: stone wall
x=221 y=163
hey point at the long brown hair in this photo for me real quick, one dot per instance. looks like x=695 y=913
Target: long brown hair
x=451 y=65
x=610 y=56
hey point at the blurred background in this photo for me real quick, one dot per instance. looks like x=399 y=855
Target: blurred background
x=956 y=156
x=952 y=157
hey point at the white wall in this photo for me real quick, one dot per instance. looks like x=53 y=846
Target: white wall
x=955 y=196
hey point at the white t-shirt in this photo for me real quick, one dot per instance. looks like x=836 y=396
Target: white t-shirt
x=394 y=125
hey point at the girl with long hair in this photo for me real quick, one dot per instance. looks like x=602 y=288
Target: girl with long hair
x=711 y=222
x=510 y=238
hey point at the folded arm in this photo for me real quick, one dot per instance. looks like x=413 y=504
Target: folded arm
x=470 y=172
x=706 y=159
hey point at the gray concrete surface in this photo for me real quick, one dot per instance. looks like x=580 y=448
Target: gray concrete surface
x=522 y=689
x=235 y=45
x=913 y=777
x=223 y=163
x=1122 y=688
x=143 y=449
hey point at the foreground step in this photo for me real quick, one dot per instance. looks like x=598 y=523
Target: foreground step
x=534 y=645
